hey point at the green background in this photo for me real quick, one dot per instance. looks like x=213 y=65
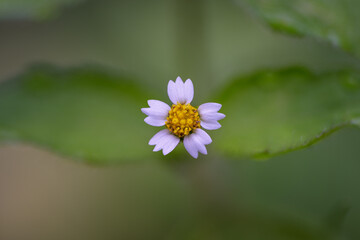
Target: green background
x=75 y=75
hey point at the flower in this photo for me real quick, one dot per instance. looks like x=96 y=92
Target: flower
x=183 y=122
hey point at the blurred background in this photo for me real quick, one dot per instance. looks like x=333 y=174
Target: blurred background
x=307 y=194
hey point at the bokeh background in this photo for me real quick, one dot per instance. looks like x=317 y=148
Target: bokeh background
x=307 y=194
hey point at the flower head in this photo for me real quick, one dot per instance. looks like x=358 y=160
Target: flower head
x=183 y=122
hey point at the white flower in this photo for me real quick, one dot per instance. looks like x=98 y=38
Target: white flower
x=182 y=120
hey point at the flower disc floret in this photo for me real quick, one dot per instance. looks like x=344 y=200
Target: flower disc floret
x=182 y=120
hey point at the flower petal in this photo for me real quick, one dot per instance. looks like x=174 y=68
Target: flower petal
x=180 y=90
x=199 y=144
x=196 y=142
x=155 y=139
x=157 y=113
x=209 y=107
x=159 y=105
x=164 y=140
x=172 y=142
x=172 y=93
x=189 y=91
x=156 y=122
x=205 y=138
x=209 y=115
x=212 y=116
x=157 y=109
x=212 y=125
x=190 y=146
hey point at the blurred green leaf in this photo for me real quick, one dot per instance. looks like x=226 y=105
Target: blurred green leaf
x=336 y=217
x=96 y=117
x=83 y=113
x=272 y=112
x=336 y=21
x=31 y=9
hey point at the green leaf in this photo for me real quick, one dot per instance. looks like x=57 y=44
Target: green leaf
x=272 y=112
x=335 y=21
x=336 y=217
x=82 y=113
x=31 y=9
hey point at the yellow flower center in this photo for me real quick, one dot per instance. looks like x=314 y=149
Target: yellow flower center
x=182 y=119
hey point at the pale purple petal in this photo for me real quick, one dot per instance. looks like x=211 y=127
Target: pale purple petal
x=209 y=115
x=155 y=139
x=156 y=122
x=190 y=146
x=161 y=141
x=205 y=138
x=209 y=107
x=212 y=117
x=172 y=92
x=213 y=125
x=196 y=142
x=172 y=142
x=189 y=91
x=164 y=140
x=155 y=113
x=180 y=89
x=199 y=144
x=159 y=105
x=180 y=92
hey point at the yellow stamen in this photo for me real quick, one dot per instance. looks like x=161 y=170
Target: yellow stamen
x=182 y=119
